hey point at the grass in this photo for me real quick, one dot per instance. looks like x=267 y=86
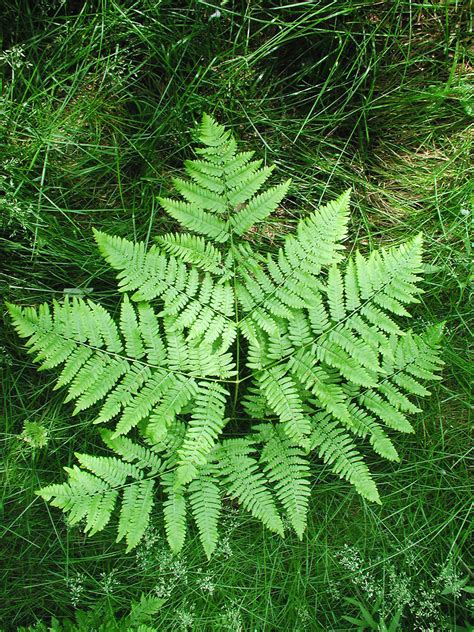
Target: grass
x=97 y=99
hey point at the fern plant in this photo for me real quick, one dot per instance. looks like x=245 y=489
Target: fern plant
x=297 y=352
x=101 y=618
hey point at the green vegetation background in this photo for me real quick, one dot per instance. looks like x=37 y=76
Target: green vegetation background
x=96 y=104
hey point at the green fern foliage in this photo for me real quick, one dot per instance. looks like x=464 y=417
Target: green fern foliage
x=205 y=500
x=310 y=344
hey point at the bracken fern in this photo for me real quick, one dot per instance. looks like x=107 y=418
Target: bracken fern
x=327 y=362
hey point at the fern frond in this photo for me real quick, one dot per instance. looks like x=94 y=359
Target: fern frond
x=90 y=347
x=335 y=447
x=136 y=375
x=132 y=452
x=168 y=445
x=142 y=403
x=335 y=289
x=211 y=133
x=194 y=218
x=373 y=337
x=299 y=332
x=397 y=398
x=292 y=281
x=192 y=249
x=322 y=342
x=315 y=379
x=351 y=287
x=241 y=170
x=137 y=504
x=205 y=174
x=283 y=398
x=104 y=381
x=92 y=496
x=206 y=424
x=200 y=197
x=236 y=166
x=287 y=467
x=255 y=403
x=129 y=326
x=318 y=315
x=363 y=425
x=87 y=376
x=205 y=504
x=83 y=496
x=25 y=319
x=245 y=482
x=357 y=348
x=246 y=182
x=259 y=208
x=386 y=412
x=134 y=264
x=335 y=356
x=110 y=469
x=174 y=511
x=142 y=611
x=154 y=275
x=149 y=330
x=173 y=401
